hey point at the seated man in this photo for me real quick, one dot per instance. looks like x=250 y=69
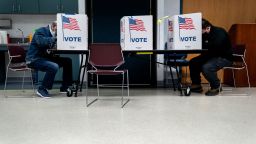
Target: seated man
x=39 y=58
x=219 y=55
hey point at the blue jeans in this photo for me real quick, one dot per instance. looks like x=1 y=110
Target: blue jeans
x=51 y=66
x=208 y=67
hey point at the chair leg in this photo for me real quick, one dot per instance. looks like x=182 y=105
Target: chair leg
x=186 y=75
x=173 y=84
x=220 y=86
x=86 y=91
x=5 y=84
x=32 y=82
x=87 y=96
x=248 y=78
x=179 y=81
x=23 y=79
x=98 y=87
x=81 y=83
x=178 y=76
x=230 y=90
x=127 y=85
x=223 y=89
x=122 y=99
x=234 y=79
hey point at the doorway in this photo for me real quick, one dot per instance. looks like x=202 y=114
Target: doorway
x=104 y=27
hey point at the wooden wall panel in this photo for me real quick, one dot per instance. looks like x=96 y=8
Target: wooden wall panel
x=223 y=13
x=244 y=34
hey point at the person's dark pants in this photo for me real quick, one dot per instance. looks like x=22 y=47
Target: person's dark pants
x=208 y=67
x=51 y=66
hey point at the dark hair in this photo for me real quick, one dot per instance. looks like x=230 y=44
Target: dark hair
x=205 y=23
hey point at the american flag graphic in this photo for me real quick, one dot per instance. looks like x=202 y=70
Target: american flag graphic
x=70 y=23
x=186 y=23
x=170 y=26
x=136 y=24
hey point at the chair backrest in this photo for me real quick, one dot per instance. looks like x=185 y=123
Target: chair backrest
x=105 y=55
x=239 y=52
x=17 y=54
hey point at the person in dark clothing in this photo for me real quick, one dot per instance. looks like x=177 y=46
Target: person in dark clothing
x=217 y=56
x=40 y=59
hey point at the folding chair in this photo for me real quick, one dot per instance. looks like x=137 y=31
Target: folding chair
x=17 y=63
x=106 y=59
x=177 y=61
x=239 y=63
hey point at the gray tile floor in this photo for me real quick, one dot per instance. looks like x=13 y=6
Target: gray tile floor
x=153 y=116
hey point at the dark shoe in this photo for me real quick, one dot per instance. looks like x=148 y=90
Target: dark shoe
x=42 y=92
x=213 y=92
x=196 y=88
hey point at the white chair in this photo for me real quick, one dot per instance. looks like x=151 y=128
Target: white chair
x=239 y=63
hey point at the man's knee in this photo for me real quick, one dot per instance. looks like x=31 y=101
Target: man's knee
x=209 y=69
x=206 y=68
x=53 y=67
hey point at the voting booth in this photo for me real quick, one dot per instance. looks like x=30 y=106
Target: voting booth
x=136 y=32
x=185 y=32
x=72 y=32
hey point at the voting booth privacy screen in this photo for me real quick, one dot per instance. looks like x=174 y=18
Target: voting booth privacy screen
x=185 y=32
x=72 y=32
x=136 y=32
